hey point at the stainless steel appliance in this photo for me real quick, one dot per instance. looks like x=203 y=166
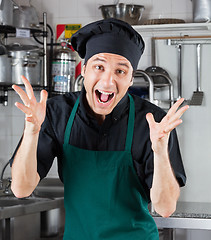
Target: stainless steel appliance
x=63 y=68
x=201 y=10
x=26 y=60
x=26 y=17
x=6 y=12
x=5 y=66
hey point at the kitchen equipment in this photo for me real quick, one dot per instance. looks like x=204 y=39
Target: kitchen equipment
x=155 y=78
x=127 y=12
x=163 y=21
x=201 y=10
x=26 y=60
x=179 y=83
x=78 y=83
x=161 y=79
x=5 y=67
x=26 y=17
x=198 y=95
x=6 y=12
x=157 y=74
x=63 y=68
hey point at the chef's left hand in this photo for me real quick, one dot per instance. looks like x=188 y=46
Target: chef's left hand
x=159 y=132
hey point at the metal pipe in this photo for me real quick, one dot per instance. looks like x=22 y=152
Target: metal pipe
x=198 y=53
x=2 y=174
x=151 y=84
x=171 y=87
x=45 y=79
x=179 y=47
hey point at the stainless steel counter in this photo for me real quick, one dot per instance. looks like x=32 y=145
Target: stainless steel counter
x=40 y=215
x=38 y=205
x=188 y=215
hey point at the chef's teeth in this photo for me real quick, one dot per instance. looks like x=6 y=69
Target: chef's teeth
x=106 y=93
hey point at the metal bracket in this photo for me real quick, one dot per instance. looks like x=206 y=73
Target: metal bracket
x=4 y=96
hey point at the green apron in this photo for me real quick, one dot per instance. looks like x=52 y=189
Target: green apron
x=103 y=196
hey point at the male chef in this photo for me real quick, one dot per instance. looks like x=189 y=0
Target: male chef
x=116 y=152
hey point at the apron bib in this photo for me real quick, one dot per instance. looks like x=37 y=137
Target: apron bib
x=103 y=196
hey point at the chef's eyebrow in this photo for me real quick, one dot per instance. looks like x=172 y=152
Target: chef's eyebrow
x=124 y=64
x=99 y=59
x=102 y=60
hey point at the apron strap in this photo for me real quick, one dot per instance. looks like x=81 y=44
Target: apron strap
x=70 y=122
x=130 y=126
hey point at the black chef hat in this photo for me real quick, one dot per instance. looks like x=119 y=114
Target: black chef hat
x=109 y=36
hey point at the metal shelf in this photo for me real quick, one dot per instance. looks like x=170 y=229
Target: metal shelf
x=11 y=30
x=174 y=27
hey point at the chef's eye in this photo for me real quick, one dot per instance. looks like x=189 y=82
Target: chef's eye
x=119 y=71
x=99 y=67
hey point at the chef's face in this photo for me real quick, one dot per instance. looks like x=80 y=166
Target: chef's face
x=107 y=78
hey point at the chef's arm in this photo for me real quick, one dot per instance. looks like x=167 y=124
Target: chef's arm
x=165 y=189
x=24 y=167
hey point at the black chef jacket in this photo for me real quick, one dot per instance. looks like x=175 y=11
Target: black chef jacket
x=86 y=133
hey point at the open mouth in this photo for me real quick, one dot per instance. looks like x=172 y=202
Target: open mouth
x=103 y=97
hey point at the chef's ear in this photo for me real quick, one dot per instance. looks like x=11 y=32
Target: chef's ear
x=83 y=70
x=131 y=82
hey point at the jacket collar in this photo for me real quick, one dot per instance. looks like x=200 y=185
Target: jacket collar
x=116 y=114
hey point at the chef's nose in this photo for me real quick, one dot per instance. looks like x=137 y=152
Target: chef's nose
x=108 y=78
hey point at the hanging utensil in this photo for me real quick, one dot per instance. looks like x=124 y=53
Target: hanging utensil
x=179 y=83
x=198 y=95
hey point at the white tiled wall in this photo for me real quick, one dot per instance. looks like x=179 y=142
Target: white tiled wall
x=84 y=12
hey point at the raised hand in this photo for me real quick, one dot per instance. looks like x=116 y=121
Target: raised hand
x=159 y=132
x=34 y=111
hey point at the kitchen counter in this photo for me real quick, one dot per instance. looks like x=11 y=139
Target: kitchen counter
x=188 y=215
x=41 y=215
x=34 y=205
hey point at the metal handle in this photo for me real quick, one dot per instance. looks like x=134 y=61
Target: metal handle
x=198 y=55
x=1 y=4
x=151 y=84
x=179 y=47
x=45 y=77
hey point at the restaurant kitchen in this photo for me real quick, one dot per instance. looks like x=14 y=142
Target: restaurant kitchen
x=173 y=47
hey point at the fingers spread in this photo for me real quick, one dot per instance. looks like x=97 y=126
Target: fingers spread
x=23 y=108
x=150 y=119
x=22 y=94
x=174 y=108
x=179 y=113
x=172 y=125
x=43 y=96
x=28 y=87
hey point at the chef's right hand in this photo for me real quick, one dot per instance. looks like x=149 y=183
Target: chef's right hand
x=34 y=111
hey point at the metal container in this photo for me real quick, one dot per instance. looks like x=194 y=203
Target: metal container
x=26 y=17
x=201 y=10
x=26 y=60
x=126 y=12
x=5 y=67
x=6 y=12
x=63 y=69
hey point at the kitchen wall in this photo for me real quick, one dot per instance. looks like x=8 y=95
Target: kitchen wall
x=194 y=134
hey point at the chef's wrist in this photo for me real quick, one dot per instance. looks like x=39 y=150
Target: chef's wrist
x=161 y=153
x=31 y=131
